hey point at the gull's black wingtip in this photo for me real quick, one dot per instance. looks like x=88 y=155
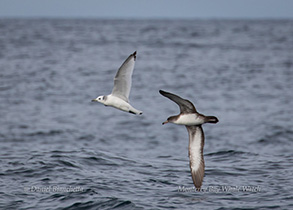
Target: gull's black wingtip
x=134 y=54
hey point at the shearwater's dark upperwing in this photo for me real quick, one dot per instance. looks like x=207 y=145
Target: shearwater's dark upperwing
x=184 y=105
x=195 y=152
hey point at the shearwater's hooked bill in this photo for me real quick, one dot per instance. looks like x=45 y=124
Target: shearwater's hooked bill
x=122 y=85
x=192 y=120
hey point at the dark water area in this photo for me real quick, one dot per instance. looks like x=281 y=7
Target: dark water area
x=61 y=151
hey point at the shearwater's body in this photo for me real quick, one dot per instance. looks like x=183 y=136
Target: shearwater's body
x=122 y=86
x=192 y=120
x=189 y=119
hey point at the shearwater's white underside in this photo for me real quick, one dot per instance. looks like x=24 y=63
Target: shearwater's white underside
x=189 y=119
x=195 y=150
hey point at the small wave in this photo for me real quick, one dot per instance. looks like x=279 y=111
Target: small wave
x=80 y=205
x=165 y=182
x=224 y=173
x=5 y=88
x=123 y=204
x=227 y=152
x=110 y=203
x=48 y=133
x=164 y=156
x=27 y=172
x=67 y=163
x=92 y=161
x=87 y=137
x=281 y=136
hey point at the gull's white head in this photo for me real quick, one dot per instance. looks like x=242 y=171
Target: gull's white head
x=100 y=99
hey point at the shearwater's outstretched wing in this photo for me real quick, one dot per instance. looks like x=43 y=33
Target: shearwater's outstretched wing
x=123 y=80
x=195 y=151
x=184 y=105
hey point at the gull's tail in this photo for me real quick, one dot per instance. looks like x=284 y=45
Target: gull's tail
x=135 y=111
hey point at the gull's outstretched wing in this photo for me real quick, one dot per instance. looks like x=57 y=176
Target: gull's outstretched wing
x=195 y=151
x=184 y=105
x=123 y=80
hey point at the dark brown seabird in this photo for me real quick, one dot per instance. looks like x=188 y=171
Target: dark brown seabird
x=192 y=120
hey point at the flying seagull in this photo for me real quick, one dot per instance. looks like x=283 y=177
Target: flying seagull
x=192 y=120
x=122 y=85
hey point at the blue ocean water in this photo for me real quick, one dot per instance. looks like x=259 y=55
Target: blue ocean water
x=61 y=151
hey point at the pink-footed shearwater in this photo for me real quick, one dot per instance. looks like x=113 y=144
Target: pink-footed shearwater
x=121 y=90
x=192 y=120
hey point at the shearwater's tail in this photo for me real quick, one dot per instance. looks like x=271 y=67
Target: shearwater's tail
x=211 y=119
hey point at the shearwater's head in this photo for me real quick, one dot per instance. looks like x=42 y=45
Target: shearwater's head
x=100 y=99
x=170 y=120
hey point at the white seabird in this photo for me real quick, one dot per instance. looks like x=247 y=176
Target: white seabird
x=122 y=85
x=192 y=120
